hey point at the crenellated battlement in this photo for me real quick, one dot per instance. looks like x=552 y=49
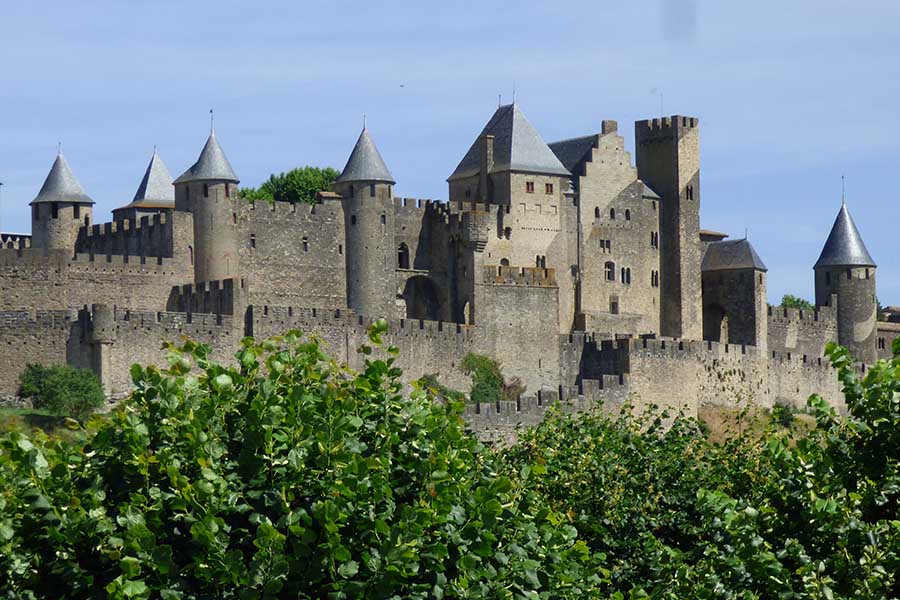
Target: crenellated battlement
x=220 y=297
x=823 y=314
x=664 y=127
x=15 y=241
x=419 y=203
x=63 y=259
x=126 y=225
x=45 y=318
x=280 y=208
x=524 y=276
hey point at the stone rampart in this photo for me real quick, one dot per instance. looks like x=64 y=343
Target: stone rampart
x=801 y=331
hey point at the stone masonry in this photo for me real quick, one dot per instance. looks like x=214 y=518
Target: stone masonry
x=586 y=274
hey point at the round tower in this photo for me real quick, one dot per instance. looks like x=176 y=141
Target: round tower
x=845 y=273
x=366 y=185
x=208 y=190
x=60 y=209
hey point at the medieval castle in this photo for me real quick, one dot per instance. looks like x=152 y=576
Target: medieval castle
x=586 y=274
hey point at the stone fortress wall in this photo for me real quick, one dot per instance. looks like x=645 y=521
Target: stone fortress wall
x=568 y=270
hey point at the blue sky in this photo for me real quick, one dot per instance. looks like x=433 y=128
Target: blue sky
x=790 y=95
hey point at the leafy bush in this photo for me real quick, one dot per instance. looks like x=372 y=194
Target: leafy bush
x=62 y=390
x=431 y=383
x=285 y=476
x=789 y=301
x=488 y=385
x=297 y=185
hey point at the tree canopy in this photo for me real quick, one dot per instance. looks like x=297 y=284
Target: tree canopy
x=287 y=475
x=297 y=185
x=790 y=301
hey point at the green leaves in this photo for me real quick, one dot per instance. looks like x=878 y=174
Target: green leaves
x=286 y=475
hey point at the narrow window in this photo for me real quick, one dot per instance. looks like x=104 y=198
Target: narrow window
x=548 y=188
x=610 y=268
x=253 y=240
x=627 y=214
x=529 y=187
x=622 y=275
x=383 y=219
x=351 y=190
x=827 y=278
x=372 y=190
x=305 y=244
x=628 y=275
x=867 y=270
x=54 y=210
x=403 y=256
x=234 y=218
x=760 y=279
x=849 y=273
x=191 y=254
x=353 y=219
x=227 y=190
x=608 y=246
x=77 y=212
x=597 y=213
x=614 y=305
x=612 y=214
x=468 y=193
x=507 y=232
x=341 y=249
x=205 y=190
x=689 y=192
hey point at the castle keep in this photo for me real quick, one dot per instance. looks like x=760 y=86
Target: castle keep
x=584 y=271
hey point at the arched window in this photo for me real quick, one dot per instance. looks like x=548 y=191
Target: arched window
x=628 y=275
x=622 y=275
x=403 y=256
x=612 y=214
x=597 y=213
x=383 y=219
x=610 y=268
x=191 y=254
x=504 y=262
x=627 y=214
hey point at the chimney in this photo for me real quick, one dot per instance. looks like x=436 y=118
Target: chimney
x=487 y=163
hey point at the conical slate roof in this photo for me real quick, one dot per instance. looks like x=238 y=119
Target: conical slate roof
x=844 y=246
x=517 y=147
x=61 y=185
x=212 y=164
x=731 y=255
x=365 y=162
x=156 y=186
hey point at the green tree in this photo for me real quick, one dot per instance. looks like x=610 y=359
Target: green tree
x=789 y=301
x=63 y=390
x=297 y=185
x=284 y=476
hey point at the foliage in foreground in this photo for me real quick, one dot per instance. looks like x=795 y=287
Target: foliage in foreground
x=297 y=185
x=679 y=517
x=286 y=476
x=488 y=384
x=62 y=390
x=790 y=301
x=290 y=476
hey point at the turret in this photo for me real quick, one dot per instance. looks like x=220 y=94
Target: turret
x=208 y=190
x=60 y=209
x=365 y=185
x=846 y=272
x=734 y=294
x=154 y=195
x=668 y=160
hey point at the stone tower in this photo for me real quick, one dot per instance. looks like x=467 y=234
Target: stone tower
x=846 y=271
x=735 y=310
x=208 y=190
x=60 y=209
x=365 y=185
x=668 y=160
